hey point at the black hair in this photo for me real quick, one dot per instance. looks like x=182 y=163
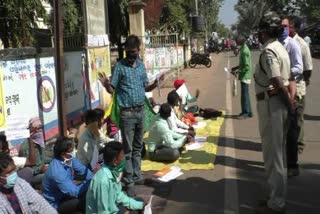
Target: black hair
x=172 y=97
x=297 y=22
x=5 y=161
x=4 y=142
x=99 y=112
x=62 y=144
x=132 y=42
x=111 y=151
x=165 y=111
x=91 y=116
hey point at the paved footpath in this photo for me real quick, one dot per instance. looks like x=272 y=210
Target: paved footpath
x=238 y=181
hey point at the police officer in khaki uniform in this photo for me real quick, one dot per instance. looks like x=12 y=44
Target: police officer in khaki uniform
x=273 y=101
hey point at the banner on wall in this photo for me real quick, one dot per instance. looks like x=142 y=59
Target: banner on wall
x=74 y=85
x=2 y=104
x=30 y=90
x=47 y=96
x=99 y=61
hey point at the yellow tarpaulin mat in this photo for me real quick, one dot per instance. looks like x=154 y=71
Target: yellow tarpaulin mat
x=202 y=158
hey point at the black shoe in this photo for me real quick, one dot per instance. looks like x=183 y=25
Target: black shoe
x=292 y=172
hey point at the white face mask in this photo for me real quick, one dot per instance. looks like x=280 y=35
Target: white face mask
x=68 y=161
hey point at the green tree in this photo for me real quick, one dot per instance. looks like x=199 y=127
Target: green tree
x=72 y=17
x=310 y=9
x=118 y=22
x=18 y=19
x=222 y=30
x=209 y=9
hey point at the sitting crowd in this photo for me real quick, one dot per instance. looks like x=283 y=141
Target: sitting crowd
x=85 y=172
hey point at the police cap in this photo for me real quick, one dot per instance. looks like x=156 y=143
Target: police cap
x=270 y=20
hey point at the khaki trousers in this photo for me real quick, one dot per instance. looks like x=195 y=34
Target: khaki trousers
x=273 y=123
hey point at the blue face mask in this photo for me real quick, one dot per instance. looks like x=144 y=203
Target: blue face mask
x=284 y=34
x=11 y=180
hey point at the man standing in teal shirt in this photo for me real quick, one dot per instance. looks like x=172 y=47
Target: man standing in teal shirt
x=244 y=73
x=105 y=193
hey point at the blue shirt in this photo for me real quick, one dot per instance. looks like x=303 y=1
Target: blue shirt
x=129 y=83
x=294 y=51
x=105 y=194
x=58 y=181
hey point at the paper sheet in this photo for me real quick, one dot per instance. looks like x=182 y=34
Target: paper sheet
x=201 y=139
x=199 y=125
x=148 y=207
x=17 y=127
x=173 y=174
x=182 y=91
x=194 y=146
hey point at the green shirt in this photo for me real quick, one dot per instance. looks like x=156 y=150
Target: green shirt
x=105 y=193
x=161 y=135
x=245 y=64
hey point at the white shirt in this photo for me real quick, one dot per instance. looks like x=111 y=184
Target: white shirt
x=177 y=125
x=307 y=40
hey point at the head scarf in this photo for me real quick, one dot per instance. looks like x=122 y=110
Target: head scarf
x=179 y=82
x=36 y=134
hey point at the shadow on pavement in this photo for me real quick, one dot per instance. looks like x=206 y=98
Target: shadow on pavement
x=240 y=144
x=231 y=116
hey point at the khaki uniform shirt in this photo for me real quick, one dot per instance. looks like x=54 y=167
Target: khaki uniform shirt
x=274 y=62
x=307 y=64
x=305 y=52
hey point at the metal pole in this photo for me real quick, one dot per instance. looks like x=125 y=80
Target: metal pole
x=197 y=12
x=58 y=49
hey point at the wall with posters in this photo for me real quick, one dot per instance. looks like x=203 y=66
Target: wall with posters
x=99 y=61
x=163 y=59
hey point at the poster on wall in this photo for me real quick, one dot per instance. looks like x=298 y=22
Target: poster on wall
x=99 y=61
x=30 y=91
x=173 y=56
x=149 y=59
x=2 y=104
x=160 y=57
x=47 y=96
x=180 y=55
x=74 y=85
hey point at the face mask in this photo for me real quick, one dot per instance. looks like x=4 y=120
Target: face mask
x=284 y=34
x=11 y=180
x=68 y=161
x=131 y=56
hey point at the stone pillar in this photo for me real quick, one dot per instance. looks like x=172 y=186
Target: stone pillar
x=136 y=21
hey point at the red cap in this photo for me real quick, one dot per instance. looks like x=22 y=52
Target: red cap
x=177 y=83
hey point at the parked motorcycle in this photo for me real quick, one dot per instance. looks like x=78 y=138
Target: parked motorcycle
x=200 y=59
x=214 y=47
